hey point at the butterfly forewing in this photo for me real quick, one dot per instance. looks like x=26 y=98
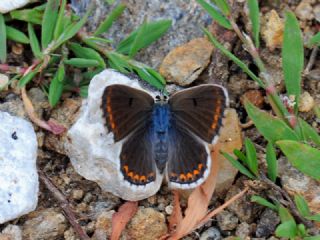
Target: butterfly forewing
x=199 y=109
x=125 y=109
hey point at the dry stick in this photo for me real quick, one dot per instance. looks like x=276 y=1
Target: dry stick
x=311 y=60
x=223 y=206
x=290 y=203
x=65 y=206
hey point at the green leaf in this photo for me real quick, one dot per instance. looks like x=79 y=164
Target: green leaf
x=264 y=202
x=16 y=35
x=254 y=15
x=238 y=166
x=152 y=32
x=312 y=238
x=309 y=132
x=216 y=15
x=302 y=205
x=303 y=157
x=28 y=15
x=284 y=214
x=107 y=23
x=138 y=39
x=302 y=230
x=223 y=6
x=251 y=153
x=240 y=155
x=3 y=40
x=84 y=91
x=272 y=128
x=28 y=77
x=71 y=30
x=315 y=40
x=48 y=22
x=119 y=62
x=292 y=56
x=147 y=74
x=88 y=53
x=56 y=86
x=156 y=75
x=97 y=40
x=236 y=60
x=315 y=217
x=35 y=46
x=60 y=24
x=272 y=162
x=82 y=62
x=287 y=229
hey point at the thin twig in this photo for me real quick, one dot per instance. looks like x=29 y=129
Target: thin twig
x=247 y=124
x=286 y=196
x=65 y=206
x=312 y=59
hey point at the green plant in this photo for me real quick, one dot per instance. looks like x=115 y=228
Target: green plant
x=297 y=140
x=59 y=51
x=285 y=130
x=288 y=227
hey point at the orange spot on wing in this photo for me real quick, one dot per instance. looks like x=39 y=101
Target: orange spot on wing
x=110 y=115
x=126 y=168
x=136 y=177
x=216 y=115
x=183 y=177
x=200 y=166
x=195 y=172
x=130 y=174
x=143 y=178
x=189 y=175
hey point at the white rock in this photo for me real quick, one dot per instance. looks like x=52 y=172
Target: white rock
x=19 y=184
x=12 y=232
x=91 y=148
x=9 y=5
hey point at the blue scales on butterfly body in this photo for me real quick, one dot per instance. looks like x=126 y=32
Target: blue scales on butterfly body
x=161 y=123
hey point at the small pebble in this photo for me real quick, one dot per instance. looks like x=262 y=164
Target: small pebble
x=254 y=96
x=77 y=194
x=211 y=234
x=272 y=30
x=169 y=209
x=304 y=10
x=4 y=80
x=227 y=221
x=306 y=102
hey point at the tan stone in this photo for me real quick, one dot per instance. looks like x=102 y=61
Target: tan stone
x=184 y=64
x=272 y=30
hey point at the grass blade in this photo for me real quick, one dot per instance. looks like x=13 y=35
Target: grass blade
x=28 y=15
x=223 y=6
x=216 y=15
x=264 y=202
x=302 y=206
x=236 y=60
x=60 y=20
x=272 y=128
x=315 y=40
x=272 y=163
x=251 y=153
x=82 y=62
x=238 y=165
x=309 y=132
x=34 y=42
x=145 y=74
x=16 y=35
x=3 y=40
x=292 y=56
x=71 y=30
x=303 y=157
x=137 y=40
x=152 y=32
x=56 y=86
x=240 y=155
x=107 y=23
x=48 y=22
x=254 y=15
x=88 y=53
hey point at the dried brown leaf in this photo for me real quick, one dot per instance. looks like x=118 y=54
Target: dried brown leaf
x=176 y=216
x=121 y=218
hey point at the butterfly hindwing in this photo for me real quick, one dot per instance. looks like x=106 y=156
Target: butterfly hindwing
x=136 y=158
x=125 y=109
x=200 y=109
x=189 y=161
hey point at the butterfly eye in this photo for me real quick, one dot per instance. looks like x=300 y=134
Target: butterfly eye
x=158 y=98
x=165 y=98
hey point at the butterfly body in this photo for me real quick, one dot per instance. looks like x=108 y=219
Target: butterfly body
x=161 y=123
x=164 y=137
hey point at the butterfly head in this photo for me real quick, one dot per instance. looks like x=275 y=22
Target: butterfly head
x=161 y=99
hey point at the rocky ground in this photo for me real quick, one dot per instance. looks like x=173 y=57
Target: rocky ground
x=184 y=57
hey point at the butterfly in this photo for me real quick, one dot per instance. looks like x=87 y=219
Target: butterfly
x=164 y=136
